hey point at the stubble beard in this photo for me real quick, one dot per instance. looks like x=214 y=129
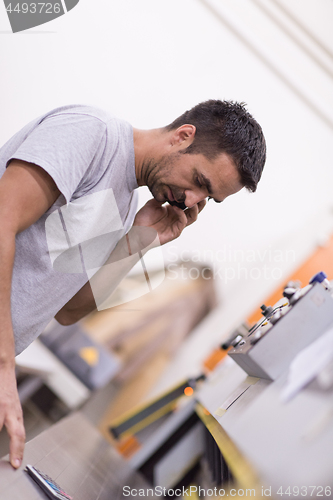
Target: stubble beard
x=155 y=172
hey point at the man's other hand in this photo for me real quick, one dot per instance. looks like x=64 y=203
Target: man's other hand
x=11 y=414
x=168 y=221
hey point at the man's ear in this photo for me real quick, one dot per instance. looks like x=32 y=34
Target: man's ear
x=183 y=136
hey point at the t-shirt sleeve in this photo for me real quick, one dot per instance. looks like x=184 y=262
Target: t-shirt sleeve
x=64 y=146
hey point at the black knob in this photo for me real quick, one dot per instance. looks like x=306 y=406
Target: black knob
x=266 y=310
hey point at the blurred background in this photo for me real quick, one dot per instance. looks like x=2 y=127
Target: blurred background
x=149 y=61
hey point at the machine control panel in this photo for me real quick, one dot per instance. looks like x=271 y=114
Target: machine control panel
x=296 y=320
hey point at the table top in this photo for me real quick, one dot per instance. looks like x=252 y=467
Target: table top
x=287 y=443
x=74 y=454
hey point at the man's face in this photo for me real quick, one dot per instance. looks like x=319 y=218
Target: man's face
x=191 y=178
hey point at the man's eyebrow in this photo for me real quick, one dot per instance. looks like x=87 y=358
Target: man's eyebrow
x=208 y=184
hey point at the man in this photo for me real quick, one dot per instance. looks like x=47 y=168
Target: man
x=55 y=171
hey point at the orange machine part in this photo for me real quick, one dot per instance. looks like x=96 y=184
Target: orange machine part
x=128 y=446
x=321 y=260
x=188 y=391
x=214 y=358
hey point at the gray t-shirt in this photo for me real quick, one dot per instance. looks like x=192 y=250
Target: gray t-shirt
x=90 y=156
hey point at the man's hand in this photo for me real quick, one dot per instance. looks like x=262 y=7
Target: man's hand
x=168 y=221
x=11 y=414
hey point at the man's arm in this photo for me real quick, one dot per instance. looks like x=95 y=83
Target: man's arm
x=125 y=255
x=154 y=224
x=26 y=192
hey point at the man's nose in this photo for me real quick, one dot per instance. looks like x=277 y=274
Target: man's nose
x=193 y=197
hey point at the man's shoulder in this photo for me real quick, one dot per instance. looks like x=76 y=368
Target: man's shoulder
x=81 y=110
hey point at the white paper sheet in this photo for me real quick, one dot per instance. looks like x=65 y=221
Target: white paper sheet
x=308 y=364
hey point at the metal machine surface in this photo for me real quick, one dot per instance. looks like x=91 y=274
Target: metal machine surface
x=300 y=317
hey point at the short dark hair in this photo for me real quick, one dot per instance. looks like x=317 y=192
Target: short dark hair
x=227 y=127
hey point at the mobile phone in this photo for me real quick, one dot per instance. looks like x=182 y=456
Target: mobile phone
x=48 y=485
x=179 y=205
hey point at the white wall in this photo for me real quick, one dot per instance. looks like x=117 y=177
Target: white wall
x=148 y=61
